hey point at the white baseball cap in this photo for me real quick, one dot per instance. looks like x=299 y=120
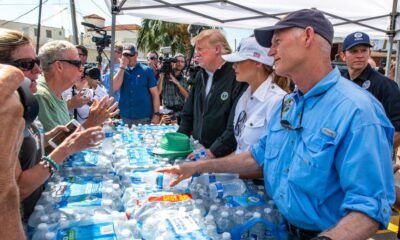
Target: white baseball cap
x=249 y=49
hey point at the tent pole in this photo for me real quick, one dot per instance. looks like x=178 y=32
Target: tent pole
x=390 y=34
x=396 y=72
x=73 y=18
x=38 y=27
x=114 y=12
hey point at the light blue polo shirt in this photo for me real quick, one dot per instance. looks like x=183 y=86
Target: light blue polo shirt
x=135 y=100
x=339 y=161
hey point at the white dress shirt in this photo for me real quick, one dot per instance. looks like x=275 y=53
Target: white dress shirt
x=258 y=109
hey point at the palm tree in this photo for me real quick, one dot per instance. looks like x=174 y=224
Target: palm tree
x=155 y=34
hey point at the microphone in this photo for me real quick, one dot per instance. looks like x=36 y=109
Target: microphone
x=89 y=25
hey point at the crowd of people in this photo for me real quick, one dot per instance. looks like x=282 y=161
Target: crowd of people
x=326 y=148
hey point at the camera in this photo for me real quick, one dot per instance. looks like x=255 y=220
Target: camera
x=92 y=72
x=31 y=106
x=103 y=41
x=166 y=66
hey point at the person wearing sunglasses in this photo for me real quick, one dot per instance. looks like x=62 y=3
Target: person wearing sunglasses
x=62 y=68
x=154 y=63
x=139 y=100
x=326 y=152
x=29 y=172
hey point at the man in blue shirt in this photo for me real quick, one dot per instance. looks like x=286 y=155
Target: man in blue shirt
x=326 y=154
x=139 y=101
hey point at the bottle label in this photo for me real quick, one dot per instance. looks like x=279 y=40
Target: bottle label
x=171 y=198
x=88 y=159
x=245 y=200
x=160 y=181
x=212 y=178
x=103 y=231
x=182 y=224
x=220 y=189
x=108 y=134
x=80 y=201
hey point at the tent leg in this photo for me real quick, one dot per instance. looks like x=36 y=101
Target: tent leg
x=389 y=56
x=113 y=21
x=396 y=73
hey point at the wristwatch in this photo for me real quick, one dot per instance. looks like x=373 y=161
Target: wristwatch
x=321 y=238
x=157 y=113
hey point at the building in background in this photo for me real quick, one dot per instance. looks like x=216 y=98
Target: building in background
x=124 y=33
x=46 y=33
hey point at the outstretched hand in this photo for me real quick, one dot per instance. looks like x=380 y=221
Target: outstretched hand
x=183 y=171
x=101 y=111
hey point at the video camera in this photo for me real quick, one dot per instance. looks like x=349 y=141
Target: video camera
x=166 y=64
x=92 y=72
x=105 y=40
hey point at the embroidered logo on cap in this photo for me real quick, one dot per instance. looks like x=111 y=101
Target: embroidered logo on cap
x=256 y=54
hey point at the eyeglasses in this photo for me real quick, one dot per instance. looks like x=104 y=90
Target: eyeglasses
x=128 y=55
x=26 y=64
x=153 y=58
x=240 y=123
x=81 y=54
x=285 y=123
x=76 y=63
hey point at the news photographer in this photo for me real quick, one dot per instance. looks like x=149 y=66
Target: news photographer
x=86 y=89
x=31 y=171
x=172 y=84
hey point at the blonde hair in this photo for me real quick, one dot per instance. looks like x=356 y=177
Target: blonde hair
x=215 y=38
x=282 y=82
x=11 y=40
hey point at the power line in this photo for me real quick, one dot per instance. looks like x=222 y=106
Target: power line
x=22 y=14
x=46 y=19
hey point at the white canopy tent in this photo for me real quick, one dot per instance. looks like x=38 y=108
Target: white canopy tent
x=375 y=17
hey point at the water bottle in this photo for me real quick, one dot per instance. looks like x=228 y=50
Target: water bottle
x=224 y=223
x=226 y=236
x=199 y=150
x=208 y=178
x=223 y=189
x=41 y=131
x=212 y=231
x=108 y=140
x=239 y=220
x=268 y=216
x=34 y=219
x=213 y=211
x=199 y=204
x=258 y=230
x=41 y=232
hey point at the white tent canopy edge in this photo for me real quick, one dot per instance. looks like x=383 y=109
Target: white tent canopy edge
x=374 y=17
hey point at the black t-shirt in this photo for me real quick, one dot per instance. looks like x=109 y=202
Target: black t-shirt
x=385 y=90
x=29 y=156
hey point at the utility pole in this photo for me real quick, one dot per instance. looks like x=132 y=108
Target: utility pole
x=73 y=16
x=38 y=27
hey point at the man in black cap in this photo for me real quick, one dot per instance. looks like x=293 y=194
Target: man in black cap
x=356 y=52
x=325 y=183
x=139 y=100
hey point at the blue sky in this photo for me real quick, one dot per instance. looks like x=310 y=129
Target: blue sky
x=56 y=13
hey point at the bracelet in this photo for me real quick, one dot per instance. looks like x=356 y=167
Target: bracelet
x=122 y=68
x=52 y=162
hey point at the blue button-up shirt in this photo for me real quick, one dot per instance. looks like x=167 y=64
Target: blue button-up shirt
x=338 y=160
x=106 y=82
x=136 y=101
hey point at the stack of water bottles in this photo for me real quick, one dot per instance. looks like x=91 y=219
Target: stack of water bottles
x=113 y=192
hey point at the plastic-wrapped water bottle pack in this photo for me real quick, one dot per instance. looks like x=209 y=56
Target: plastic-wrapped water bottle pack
x=113 y=192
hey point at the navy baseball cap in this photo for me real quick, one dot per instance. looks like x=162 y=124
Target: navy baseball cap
x=301 y=19
x=129 y=49
x=354 y=39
